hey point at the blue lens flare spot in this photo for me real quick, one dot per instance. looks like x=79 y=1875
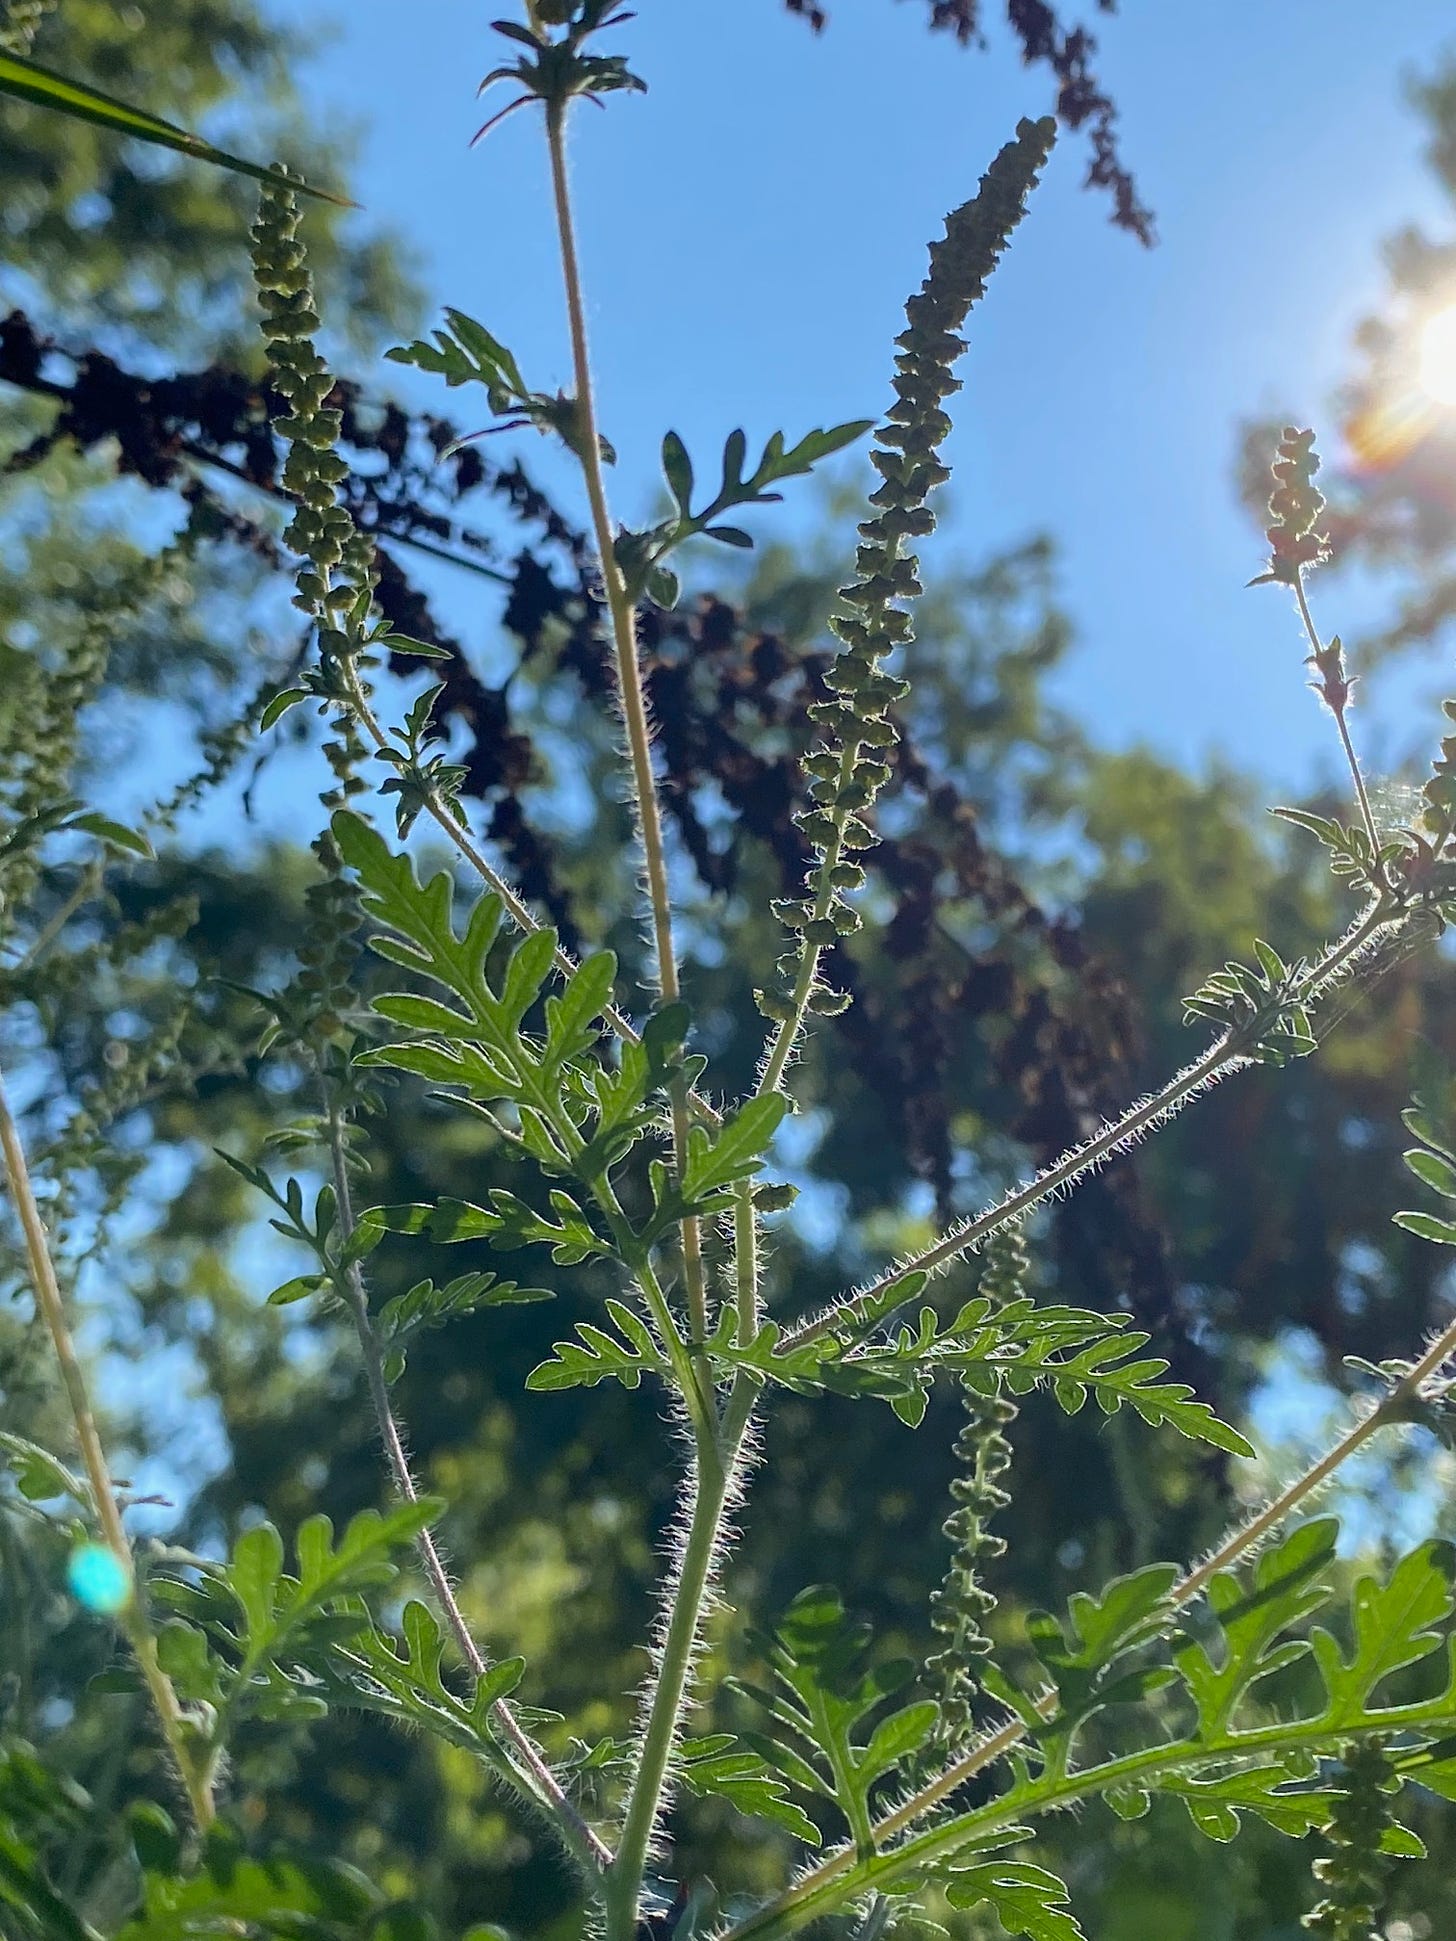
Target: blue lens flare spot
x=98 y=1579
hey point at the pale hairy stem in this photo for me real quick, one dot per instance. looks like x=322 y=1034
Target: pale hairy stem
x=630 y=694
x=1204 y=1071
x=533 y=1775
x=686 y=1596
x=1366 y=812
x=1361 y=795
x=1221 y=1058
x=691 y=1372
x=587 y=445
x=191 y=1771
x=717 y=1444
x=808 y=1900
x=684 y=1604
x=785 y=1039
x=1388 y=1411
x=745 y=1263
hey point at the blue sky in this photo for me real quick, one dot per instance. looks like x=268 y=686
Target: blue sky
x=752 y=227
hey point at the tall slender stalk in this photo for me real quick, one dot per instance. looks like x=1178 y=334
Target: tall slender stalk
x=534 y=1775
x=630 y=693
x=191 y=1771
x=716 y=1449
x=684 y=1602
x=688 y=1590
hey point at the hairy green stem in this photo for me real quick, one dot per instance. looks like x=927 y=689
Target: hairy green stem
x=1390 y=1410
x=829 y=1885
x=1204 y=1071
x=629 y=687
x=786 y=1037
x=715 y=1458
x=192 y=1772
x=630 y=693
x=1221 y=1058
x=532 y=1774
x=686 y=1598
x=1316 y=646
x=687 y=1593
x=745 y=1262
x=691 y=1371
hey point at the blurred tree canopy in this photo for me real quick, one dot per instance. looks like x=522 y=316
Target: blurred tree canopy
x=1039 y=904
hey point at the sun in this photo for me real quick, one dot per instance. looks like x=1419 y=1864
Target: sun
x=1436 y=357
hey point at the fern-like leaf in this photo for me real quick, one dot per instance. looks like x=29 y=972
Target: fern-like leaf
x=820 y=1705
x=597 y=1356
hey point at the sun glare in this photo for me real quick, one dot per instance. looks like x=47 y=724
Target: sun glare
x=1436 y=358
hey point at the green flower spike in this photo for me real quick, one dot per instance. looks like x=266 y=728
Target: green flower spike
x=852 y=763
x=959 y=1609
x=335 y=579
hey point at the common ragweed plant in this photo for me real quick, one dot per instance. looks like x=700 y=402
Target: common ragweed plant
x=899 y=1793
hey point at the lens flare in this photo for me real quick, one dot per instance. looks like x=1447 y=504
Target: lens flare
x=1436 y=357
x=98 y=1579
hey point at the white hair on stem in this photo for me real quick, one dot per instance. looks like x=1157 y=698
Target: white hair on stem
x=1051 y=1182
x=676 y=1541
